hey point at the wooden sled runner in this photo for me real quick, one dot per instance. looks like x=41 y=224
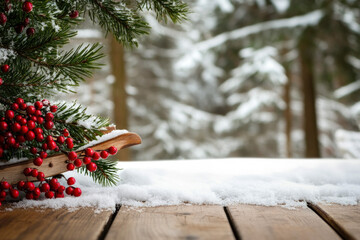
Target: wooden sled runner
x=56 y=164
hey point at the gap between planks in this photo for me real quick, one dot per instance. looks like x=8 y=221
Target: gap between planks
x=345 y=220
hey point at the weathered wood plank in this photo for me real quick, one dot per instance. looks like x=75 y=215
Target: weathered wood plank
x=260 y=222
x=52 y=224
x=344 y=219
x=171 y=222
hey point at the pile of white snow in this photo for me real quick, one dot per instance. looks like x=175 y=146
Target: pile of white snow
x=268 y=182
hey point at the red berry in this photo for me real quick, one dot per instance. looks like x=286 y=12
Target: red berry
x=49 y=117
x=65 y=132
x=24 y=129
x=96 y=156
x=38 y=113
x=49 y=125
x=112 y=150
x=3 y=194
x=3 y=126
x=22 y=121
x=14 y=106
x=49 y=194
x=33 y=118
x=74 y=14
x=72 y=156
x=5 y=68
x=27 y=6
x=3 y=19
x=61 y=139
x=38 y=161
x=31 y=124
x=23 y=106
x=33 y=150
x=91 y=167
x=30 y=186
x=45 y=187
x=52 y=145
x=44 y=146
x=30 y=109
x=37 y=191
x=71 y=181
x=61 y=189
x=20 y=139
x=34 y=173
x=89 y=152
x=43 y=154
x=77 y=162
x=1 y=152
x=30 y=135
x=59 y=195
x=27 y=171
x=11 y=141
x=29 y=195
x=104 y=154
x=14 y=193
x=16 y=127
x=53 y=108
x=70 y=166
x=70 y=145
x=19 y=101
x=38 y=105
x=1 y=81
x=30 y=31
x=9 y=114
x=69 y=190
x=41 y=176
x=26 y=21
x=49 y=138
x=38 y=131
x=20 y=185
x=40 y=120
x=69 y=140
x=39 y=137
x=86 y=160
x=5 y=185
x=76 y=192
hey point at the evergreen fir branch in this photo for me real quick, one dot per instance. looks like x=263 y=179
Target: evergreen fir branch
x=83 y=127
x=74 y=65
x=106 y=173
x=115 y=17
x=176 y=10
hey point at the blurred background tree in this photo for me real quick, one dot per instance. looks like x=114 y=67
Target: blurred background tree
x=258 y=78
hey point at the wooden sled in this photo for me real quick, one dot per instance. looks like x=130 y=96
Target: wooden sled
x=56 y=164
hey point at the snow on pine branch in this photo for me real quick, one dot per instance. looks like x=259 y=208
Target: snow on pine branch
x=308 y=19
x=347 y=89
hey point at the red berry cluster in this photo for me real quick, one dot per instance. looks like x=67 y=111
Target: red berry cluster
x=27 y=7
x=30 y=127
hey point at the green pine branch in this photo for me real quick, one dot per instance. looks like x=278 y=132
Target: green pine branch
x=176 y=10
x=115 y=17
x=106 y=173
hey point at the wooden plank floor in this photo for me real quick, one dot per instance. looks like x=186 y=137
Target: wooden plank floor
x=52 y=224
x=171 y=222
x=184 y=222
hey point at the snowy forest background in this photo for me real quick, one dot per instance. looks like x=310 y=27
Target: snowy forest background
x=240 y=78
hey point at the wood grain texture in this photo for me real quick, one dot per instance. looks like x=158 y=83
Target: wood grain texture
x=52 y=224
x=171 y=222
x=344 y=219
x=260 y=222
x=57 y=164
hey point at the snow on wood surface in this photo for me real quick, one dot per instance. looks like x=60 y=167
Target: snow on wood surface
x=220 y=181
